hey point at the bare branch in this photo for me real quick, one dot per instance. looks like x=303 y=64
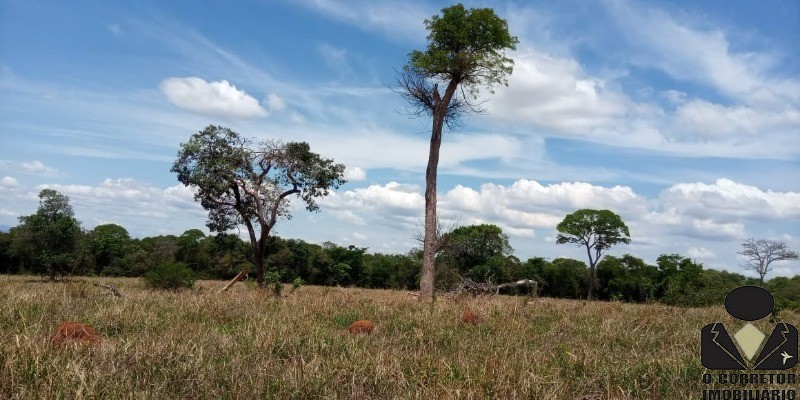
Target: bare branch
x=442 y=229
x=478 y=288
x=763 y=252
x=113 y=289
x=422 y=96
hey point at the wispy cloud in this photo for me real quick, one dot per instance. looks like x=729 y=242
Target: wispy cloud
x=30 y=167
x=397 y=20
x=701 y=54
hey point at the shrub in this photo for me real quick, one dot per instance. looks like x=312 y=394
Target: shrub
x=172 y=276
x=296 y=283
x=273 y=278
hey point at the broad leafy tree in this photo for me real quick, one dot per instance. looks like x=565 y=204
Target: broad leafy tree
x=465 y=52
x=595 y=230
x=48 y=241
x=8 y=263
x=786 y=291
x=193 y=250
x=107 y=243
x=241 y=182
x=478 y=251
x=686 y=283
x=563 y=277
x=763 y=252
x=627 y=278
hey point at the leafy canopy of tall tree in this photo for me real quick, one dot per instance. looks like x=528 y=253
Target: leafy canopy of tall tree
x=107 y=243
x=475 y=249
x=48 y=240
x=763 y=252
x=465 y=51
x=241 y=182
x=597 y=231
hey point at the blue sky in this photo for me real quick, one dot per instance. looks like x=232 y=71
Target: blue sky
x=682 y=117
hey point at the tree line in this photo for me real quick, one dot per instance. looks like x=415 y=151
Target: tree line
x=52 y=243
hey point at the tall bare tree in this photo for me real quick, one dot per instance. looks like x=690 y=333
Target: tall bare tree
x=465 y=51
x=761 y=253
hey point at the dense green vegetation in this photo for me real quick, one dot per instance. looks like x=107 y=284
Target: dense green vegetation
x=477 y=252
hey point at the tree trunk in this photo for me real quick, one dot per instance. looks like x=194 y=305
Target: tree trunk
x=592 y=263
x=258 y=259
x=429 y=241
x=429 y=246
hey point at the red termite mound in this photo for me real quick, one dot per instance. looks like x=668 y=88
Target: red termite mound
x=361 y=326
x=74 y=332
x=469 y=317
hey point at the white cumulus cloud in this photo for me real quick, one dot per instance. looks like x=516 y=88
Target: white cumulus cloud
x=220 y=98
x=8 y=182
x=555 y=93
x=728 y=199
x=354 y=174
x=700 y=253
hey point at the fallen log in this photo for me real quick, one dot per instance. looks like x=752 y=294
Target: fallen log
x=476 y=288
x=237 y=278
x=524 y=282
x=113 y=290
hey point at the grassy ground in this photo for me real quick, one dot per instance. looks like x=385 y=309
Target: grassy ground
x=246 y=344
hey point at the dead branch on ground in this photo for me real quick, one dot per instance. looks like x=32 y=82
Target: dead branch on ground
x=467 y=285
x=113 y=289
x=237 y=278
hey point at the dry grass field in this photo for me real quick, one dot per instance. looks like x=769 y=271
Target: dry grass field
x=246 y=344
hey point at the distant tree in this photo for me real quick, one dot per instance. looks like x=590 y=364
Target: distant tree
x=337 y=265
x=786 y=291
x=229 y=255
x=107 y=243
x=193 y=250
x=392 y=271
x=763 y=252
x=8 y=263
x=596 y=230
x=48 y=239
x=242 y=183
x=479 y=251
x=627 y=278
x=684 y=282
x=566 y=278
x=144 y=255
x=465 y=51
x=292 y=258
